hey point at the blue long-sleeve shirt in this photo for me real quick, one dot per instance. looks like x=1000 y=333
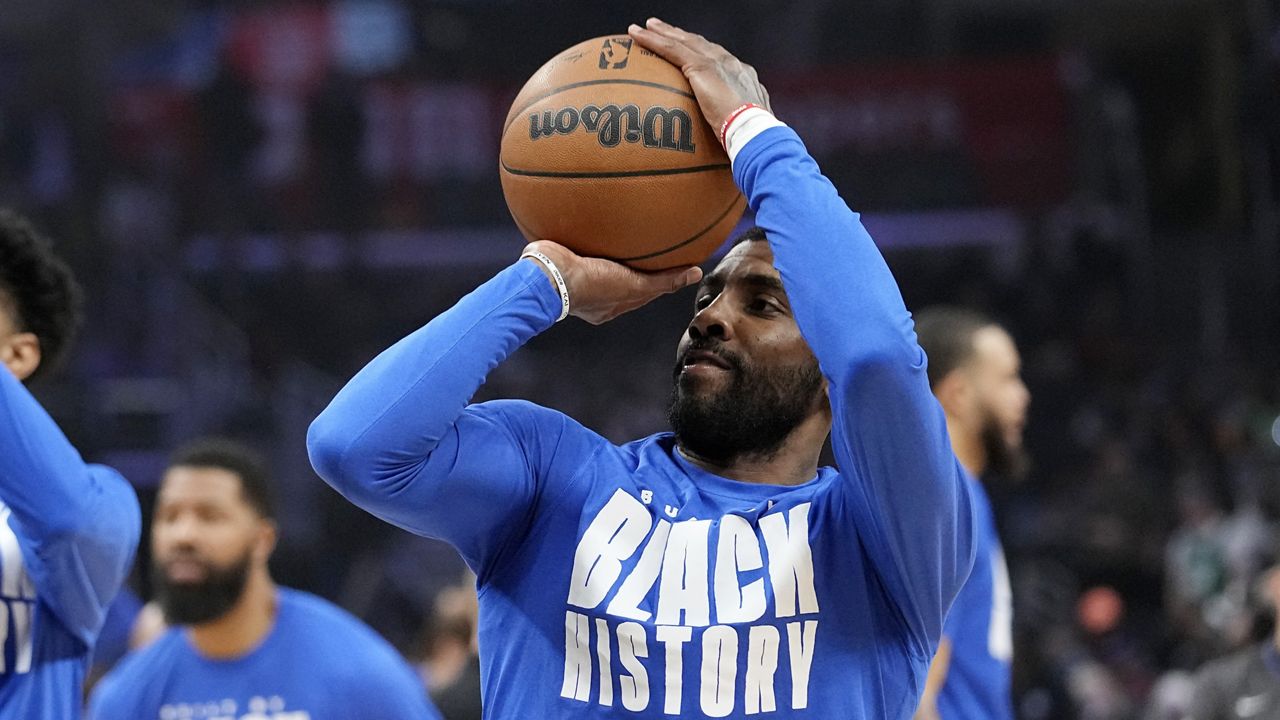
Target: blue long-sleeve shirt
x=980 y=625
x=317 y=662
x=623 y=581
x=68 y=532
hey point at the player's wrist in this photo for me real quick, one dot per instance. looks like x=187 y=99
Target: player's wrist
x=551 y=268
x=744 y=125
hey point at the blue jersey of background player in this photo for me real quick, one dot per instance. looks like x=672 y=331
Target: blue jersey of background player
x=716 y=571
x=67 y=530
x=974 y=370
x=245 y=648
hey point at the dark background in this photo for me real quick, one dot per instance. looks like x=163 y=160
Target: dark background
x=259 y=196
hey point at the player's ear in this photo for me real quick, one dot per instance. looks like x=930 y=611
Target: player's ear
x=20 y=353
x=265 y=543
x=953 y=391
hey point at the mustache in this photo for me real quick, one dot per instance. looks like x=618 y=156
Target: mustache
x=708 y=345
x=181 y=556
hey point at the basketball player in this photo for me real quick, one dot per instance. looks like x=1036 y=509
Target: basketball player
x=244 y=647
x=1245 y=684
x=715 y=571
x=974 y=372
x=68 y=530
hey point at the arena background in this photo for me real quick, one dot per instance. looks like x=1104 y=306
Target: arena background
x=259 y=196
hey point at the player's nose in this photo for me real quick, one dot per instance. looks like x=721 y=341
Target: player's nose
x=713 y=320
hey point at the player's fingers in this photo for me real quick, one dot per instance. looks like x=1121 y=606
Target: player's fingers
x=665 y=46
x=668 y=281
x=671 y=31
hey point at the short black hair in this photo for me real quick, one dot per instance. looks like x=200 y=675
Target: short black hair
x=755 y=233
x=946 y=334
x=237 y=459
x=38 y=289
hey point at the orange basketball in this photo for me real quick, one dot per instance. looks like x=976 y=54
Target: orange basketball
x=606 y=152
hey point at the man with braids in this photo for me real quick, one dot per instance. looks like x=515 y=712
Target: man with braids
x=68 y=530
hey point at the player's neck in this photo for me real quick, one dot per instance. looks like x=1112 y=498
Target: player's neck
x=244 y=626
x=968 y=447
x=794 y=463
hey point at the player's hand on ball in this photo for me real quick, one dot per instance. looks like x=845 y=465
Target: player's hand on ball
x=601 y=290
x=722 y=82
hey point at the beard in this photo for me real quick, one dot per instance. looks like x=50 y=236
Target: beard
x=752 y=416
x=201 y=602
x=1004 y=459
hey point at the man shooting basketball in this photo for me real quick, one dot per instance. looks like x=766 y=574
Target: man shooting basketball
x=715 y=571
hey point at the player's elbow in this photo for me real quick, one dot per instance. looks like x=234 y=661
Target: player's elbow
x=883 y=363
x=328 y=448
x=78 y=518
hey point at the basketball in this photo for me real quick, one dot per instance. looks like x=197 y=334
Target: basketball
x=605 y=151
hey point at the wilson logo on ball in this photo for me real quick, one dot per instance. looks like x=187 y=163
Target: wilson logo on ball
x=661 y=127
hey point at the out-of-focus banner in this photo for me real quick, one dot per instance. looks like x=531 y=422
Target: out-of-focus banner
x=967 y=132
x=898 y=137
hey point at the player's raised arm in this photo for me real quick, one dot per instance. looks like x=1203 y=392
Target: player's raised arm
x=77 y=525
x=400 y=440
x=907 y=497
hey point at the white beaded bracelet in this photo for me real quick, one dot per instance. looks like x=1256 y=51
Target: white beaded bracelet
x=555 y=273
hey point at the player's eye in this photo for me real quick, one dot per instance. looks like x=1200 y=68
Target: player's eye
x=209 y=514
x=763 y=304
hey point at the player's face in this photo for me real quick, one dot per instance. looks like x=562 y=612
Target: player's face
x=205 y=539
x=744 y=376
x=1002 y=398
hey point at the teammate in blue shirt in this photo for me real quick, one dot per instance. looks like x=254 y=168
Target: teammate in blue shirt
x=975 y=372
x=715 y=571
x=67 y=530
x=245 y=649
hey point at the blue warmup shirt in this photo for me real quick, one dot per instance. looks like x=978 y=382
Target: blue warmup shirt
x=317 y=663
x=68 y=532
x=980 y=626
x=623 y=581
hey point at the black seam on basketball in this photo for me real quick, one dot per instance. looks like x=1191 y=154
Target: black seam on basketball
x=681 y=244
x=614 y=174
x=585 y=83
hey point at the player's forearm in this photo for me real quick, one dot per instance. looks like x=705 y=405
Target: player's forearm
x=845 y=300
x=78 y=525
x=889 y=435
x=43 y=480
x=392 y=414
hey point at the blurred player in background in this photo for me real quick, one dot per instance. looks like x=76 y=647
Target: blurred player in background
x=1247 y=683
x=68 y=530
x=243 y=646
x=975 y=372
x=451 y=666
x=716 y=571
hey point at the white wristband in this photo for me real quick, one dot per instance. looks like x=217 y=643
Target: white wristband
x=555 y=273
x=746 y=126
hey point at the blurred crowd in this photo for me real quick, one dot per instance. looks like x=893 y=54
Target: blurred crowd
x=253 y=223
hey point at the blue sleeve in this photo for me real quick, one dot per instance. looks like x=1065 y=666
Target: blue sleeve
x=386 y=687
x=400 y=440
x=904 y=488
x=77 y=525
x=105 y=702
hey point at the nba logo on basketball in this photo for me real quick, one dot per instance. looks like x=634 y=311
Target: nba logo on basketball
x=614 y=53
